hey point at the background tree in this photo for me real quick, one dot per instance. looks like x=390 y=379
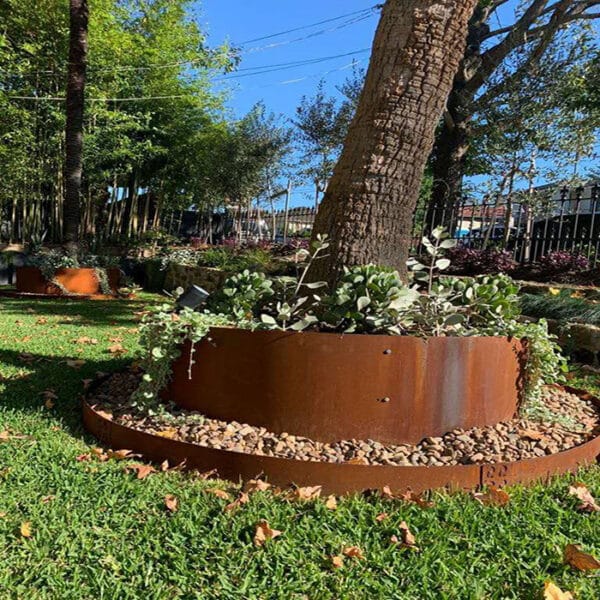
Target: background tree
x=535 y=29
x=78 y=32
x=368 y=207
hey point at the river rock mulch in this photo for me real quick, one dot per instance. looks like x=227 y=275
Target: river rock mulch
x=507 y=441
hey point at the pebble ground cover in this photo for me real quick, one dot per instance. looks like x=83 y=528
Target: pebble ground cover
x=75 y=524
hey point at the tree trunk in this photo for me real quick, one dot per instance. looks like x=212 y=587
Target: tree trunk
x=74 y=122
x=369 y=203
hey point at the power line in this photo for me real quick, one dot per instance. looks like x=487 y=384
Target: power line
x=281 y=67
x=280 y=33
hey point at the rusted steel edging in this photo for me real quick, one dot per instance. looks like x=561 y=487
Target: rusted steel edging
x=329 y=387
x=81 y=281
x=336 y=478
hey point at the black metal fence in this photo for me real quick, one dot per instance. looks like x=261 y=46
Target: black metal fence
x=528 y=225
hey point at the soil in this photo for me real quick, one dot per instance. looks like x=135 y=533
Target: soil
x=576 y=420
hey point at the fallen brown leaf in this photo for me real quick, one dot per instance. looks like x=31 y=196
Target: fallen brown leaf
x=407 y=539
x=170 y=433
x=532 y=434
x=386 y=492
x=353 y=552
x=381 y=517
x=47 y=499
x=256 y=485
x=307 y=493
x=358 y=460
x=553 y=592
x=120 y=454
x=577 y=559
x=331 y=502
x=171 y=503
x=417 y=499
x=25 y=529
x=493 y=497
x=117 y=349
x=83 y=457
x=218 y=493
x=242 y=499
x=264 y=532
x=337 y=562
x=41 y=321
x=6 y=435
x=142 y=471
x=86 y=340
x=588 y=502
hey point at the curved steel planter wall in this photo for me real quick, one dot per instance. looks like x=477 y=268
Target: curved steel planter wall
x=336 y=478
x=77 y=281
x=330 y=387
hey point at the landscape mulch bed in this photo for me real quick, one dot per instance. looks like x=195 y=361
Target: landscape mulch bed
x=577 y=420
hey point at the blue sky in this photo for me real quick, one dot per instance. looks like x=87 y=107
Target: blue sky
x=240 y=21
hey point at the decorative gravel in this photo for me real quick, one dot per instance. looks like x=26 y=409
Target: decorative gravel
x=577 y=421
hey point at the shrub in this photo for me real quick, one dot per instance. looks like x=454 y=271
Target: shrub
x=562 y=261
x=472 y=261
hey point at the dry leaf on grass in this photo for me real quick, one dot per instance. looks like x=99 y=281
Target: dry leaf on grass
x=337 y=562
x=171 y=503
x=25 y=529
x=588 y=502
x=41 y=321
x=553 y=592
x=331 y=502
x=307 y=493
x=264 y=532
x=218 y=493
x=386 y=493
x=407 y=539
x=141 y=471
x=579 y=560
x=353 y=552
x=493 y=497
x=86 y=340
x=83 y=457
x=381 y=517
x=47 y=499
x=417 y=499
x=242 y=499
x=6 y=435
x=120 y=454
x=117 y=349
x=256 y=485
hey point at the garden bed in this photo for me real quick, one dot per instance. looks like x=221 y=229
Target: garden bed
x=75 y=281
x=328 y=387
x=512 y=451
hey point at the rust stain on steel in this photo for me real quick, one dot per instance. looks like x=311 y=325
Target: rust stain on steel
x=77 y=281
x=331 y=387
x=336 y=478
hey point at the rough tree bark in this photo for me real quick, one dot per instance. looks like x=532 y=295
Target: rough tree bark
x=74 y=122
x=368 y=207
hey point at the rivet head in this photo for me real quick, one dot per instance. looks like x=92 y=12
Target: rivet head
x=385 y=400
x=388 y=351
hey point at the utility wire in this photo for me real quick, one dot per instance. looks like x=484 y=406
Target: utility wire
x=268 y=37
x=223 y=79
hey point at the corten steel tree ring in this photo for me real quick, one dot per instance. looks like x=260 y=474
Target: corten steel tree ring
x=80 y=282
x=330 y=387
x=336 y=478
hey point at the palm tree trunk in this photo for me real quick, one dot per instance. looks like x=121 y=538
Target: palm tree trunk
x=369 y=203
x=74 y=124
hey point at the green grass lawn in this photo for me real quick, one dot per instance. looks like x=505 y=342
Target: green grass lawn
x=100 y=533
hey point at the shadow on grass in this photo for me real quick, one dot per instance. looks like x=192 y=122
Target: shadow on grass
x=36 y=373
x=101 y=313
